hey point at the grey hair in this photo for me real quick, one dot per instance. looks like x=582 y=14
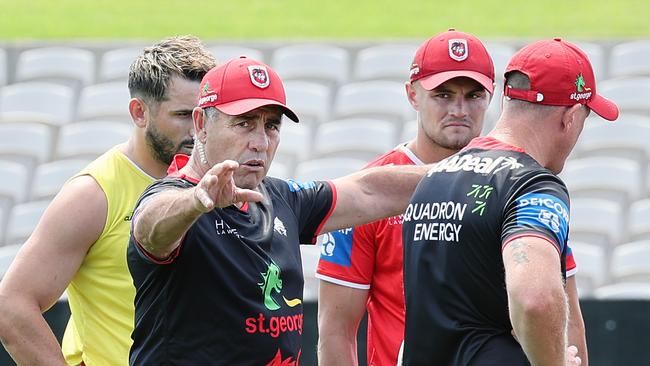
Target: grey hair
x=519 y=80
x=151 y=72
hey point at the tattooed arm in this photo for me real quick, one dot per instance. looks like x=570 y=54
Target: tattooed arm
x=536 y=299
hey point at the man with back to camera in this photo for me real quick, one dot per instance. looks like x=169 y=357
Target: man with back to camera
x=214 y=251
x=451 y=85
x=485 y=235
x=80 y=242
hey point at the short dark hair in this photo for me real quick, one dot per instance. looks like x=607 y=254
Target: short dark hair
x=184 y=56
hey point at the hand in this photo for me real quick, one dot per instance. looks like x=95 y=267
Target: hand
x=217 y=188
x=571 y=356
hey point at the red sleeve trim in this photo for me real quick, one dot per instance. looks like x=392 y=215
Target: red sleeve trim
x=168 y=260
x=329 y=213
x=517 y=236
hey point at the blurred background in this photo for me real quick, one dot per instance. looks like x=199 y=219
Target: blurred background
x=63 y=102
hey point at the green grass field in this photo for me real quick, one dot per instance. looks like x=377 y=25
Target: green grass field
x=301 y=19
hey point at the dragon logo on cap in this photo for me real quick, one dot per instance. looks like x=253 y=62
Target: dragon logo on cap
x=259 y=76
x=458 y=49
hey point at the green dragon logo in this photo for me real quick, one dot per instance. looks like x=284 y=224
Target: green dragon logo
x=272 y=282
x=580 y=83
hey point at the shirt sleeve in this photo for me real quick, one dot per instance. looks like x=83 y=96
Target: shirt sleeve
x=539 y=207
x=348 y=256
x=312 y=202
x=151 y=191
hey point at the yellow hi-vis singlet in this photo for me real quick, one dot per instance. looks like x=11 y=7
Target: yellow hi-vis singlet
x=101 y=293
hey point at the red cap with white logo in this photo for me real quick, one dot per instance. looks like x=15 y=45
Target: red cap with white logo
x=241 y=85
x=560 y=74
x=452 y=54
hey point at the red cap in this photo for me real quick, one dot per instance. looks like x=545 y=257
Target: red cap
x=241 y=85
x=560 y=74
x=452 y=54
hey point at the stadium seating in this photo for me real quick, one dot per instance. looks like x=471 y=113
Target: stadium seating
x=3 y=67
x=631 y=262
x=596 y=221
x=327 y=168
x=114 y=64
x=630 y=59
x=409 y=131
x=311 y=101
x=90 y=139
x=316 y=62
x=638 y=224
x=624 y=290
x=105 y=101
x=342 y=138
x=7 y=255
x=373 y=99
x=592 y=267
x=630 y=94
x=15 y=182
x=596 y=56
x=310 y=255
x=225 y=53
x=28 y=143
x=56 y=116
x=385 y=62
x=23 y=219
x=611 y=178
x=58 y=64
x=628 y=138
x=295 y=143
x=50 y=177
x=501 y=54
x=37 y=102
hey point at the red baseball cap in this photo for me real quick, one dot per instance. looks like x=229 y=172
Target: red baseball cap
x=241 y=85
x=560 y=74
x=452 y=54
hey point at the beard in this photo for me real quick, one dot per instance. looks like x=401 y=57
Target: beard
x=162 y=147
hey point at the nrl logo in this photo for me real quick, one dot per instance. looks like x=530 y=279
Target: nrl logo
x=259 y=76
x=458 y=49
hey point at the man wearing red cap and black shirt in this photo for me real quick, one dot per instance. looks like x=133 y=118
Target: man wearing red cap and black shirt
x=451 y=85
x=485 y=234
x=214 y=246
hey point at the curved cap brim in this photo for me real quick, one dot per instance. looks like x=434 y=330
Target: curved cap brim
x=604 y=107
x=433 y=81
x=242 y=106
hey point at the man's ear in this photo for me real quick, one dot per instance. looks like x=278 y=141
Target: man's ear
x=411 y=94
x=569 y=116
x=138 y=110
x=198 y=118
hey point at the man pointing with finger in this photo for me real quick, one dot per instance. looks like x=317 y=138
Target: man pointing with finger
x=214 y=251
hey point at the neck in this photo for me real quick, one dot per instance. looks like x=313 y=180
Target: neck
x=526 y=135
x=138 y=152
x=428 y=151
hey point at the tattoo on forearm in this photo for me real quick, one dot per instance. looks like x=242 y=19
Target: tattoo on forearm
x=520 y=252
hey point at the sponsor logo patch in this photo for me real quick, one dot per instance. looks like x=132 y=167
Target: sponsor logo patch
x=259 y=76
x=295 y=186
x=458 y=49
x=476 y=164
x=336 y=247
x=545 y=211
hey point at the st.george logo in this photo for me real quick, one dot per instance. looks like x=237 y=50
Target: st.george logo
x=458 y=49
x=259 y=76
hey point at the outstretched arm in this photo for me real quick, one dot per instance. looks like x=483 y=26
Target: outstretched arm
x=43 y=268
x=536 y=299
x=161 y=221
x=372 y=194
x=340 y=310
